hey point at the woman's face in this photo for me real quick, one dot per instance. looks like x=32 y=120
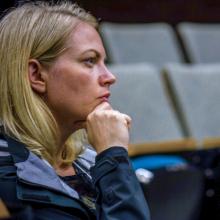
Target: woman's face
x=78 y=80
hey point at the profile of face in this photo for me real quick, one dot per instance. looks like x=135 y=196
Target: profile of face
x=78 y=80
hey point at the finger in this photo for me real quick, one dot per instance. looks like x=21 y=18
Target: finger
x=125 y=116
x=128 y=120
x=103 y=106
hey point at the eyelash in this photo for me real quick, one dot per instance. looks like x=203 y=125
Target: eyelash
x=90 y=61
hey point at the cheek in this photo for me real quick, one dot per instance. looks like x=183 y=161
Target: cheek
x=68 y=78
x=81 y=89
x=77 y=87
x=79 y=83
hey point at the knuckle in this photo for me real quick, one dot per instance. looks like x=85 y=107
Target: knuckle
x=89 y=117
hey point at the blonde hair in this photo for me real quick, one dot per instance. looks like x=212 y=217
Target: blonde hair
x=34 y=31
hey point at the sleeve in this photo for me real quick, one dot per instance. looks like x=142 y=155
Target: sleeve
x=119 y=193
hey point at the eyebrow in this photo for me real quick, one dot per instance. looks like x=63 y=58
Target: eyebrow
x=98 y=55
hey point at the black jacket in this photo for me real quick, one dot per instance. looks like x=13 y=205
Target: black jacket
x=32 y=190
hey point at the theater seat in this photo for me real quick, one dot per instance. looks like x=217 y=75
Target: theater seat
x=175 y=194
x=201 y=41
x=131 y=43
x=196 y=92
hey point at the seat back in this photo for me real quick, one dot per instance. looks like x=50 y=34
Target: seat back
x=129 y=43
x=196 y=91
x=139 y=92
x=201 y=41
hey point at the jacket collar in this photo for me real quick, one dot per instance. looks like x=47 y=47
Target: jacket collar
x=33 y=170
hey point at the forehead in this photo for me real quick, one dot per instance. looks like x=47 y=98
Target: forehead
x=85 y=37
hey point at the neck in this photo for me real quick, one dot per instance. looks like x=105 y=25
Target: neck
x=65 y=171
x=67 y=130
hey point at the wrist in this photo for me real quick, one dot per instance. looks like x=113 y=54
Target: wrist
x=112 y=151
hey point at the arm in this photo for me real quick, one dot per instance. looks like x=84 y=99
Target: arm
x=119 y=193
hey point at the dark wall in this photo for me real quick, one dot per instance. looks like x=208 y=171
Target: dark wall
x=4 y=4
x=171 y=11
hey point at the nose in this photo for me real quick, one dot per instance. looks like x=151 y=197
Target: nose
x=106 y=78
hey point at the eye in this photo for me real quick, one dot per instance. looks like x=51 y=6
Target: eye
x=90 y=61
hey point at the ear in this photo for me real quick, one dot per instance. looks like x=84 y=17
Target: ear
x=37 y=76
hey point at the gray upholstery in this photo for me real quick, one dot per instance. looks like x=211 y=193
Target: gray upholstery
x=154 y=43
x=139 y=93
x=201 y=41
x=197 y=90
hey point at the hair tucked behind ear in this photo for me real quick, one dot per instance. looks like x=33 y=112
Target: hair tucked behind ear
x=34 y=31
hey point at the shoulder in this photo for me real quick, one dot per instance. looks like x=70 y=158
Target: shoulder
x=3 y=147
x=8 y=174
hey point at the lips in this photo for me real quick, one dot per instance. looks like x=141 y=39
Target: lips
x=105 y=97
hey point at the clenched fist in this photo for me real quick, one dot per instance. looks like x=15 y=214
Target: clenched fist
x=107 y=127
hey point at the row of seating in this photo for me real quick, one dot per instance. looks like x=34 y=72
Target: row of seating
x=159 y=43
x=175 y=111
x=176 y=119
x=174 y=107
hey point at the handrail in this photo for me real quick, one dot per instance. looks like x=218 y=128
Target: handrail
x=4 y=213
x=186 y=144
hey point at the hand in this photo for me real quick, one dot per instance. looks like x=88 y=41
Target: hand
x=107 y=127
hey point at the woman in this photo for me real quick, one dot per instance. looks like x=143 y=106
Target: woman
x=53 y=82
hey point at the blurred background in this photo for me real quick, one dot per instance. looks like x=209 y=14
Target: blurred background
x=171 y=11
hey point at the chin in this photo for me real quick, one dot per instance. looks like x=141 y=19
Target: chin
x=79 y=124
